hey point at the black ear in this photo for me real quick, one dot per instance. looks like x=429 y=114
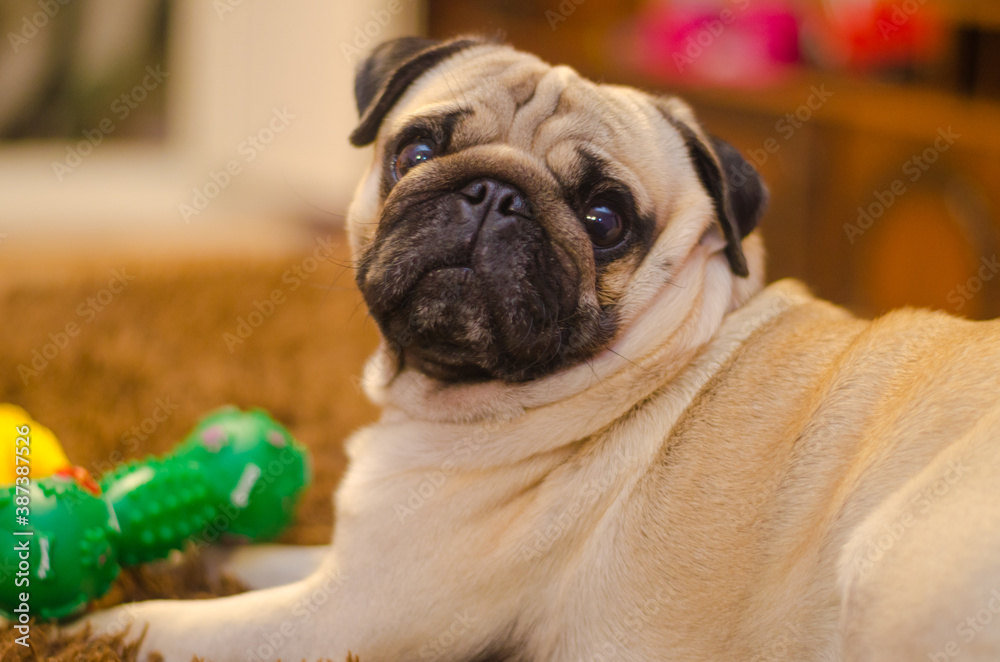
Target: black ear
x=735 y=187
x=381 y=62
x=385 y=74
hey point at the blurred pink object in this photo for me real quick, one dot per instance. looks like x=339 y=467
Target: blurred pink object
x=732 y=44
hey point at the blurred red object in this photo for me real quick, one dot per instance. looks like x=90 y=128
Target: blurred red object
x=863 y=35
x=82 y=478
x=733 y=44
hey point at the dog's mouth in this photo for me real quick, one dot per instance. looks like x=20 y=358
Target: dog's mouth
x=469 y=323
x=443 y=326
x=434 y=367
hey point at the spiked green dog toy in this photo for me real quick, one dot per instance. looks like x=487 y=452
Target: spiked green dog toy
x=236 y=475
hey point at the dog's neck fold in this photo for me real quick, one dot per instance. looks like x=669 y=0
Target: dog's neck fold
x=701 y=316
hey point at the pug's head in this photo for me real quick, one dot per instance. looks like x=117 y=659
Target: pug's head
x=511 y=204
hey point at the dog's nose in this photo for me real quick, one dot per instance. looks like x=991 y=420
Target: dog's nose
x=489 y=194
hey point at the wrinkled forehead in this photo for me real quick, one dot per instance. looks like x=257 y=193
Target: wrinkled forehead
x=498 y=95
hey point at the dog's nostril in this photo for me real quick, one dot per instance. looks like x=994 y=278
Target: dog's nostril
x=475 y=192
x=514 y=203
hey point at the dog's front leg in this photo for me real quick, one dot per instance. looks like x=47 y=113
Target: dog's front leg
x=309 y=619
x=264 y=565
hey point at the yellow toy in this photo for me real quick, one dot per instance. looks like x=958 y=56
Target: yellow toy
x=47 y=456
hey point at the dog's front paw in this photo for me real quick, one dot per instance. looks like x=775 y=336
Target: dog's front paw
x=121 y=629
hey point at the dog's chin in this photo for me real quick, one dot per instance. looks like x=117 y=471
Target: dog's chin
x=447 y=328
x=447 y=319
x=431 y=365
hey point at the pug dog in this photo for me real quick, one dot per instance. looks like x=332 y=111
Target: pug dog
x=602 y=437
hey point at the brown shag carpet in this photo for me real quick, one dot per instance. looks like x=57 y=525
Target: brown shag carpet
x=161 y=343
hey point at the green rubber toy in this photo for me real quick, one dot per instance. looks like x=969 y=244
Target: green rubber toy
x=71 y=547
x=237 y=475
x=160 y=503
x=257 y=484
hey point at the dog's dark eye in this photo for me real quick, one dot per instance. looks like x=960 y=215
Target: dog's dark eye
x=411 y=156
x=604 y=225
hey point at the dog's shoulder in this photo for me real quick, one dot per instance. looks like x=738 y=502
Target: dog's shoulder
x=803 y=356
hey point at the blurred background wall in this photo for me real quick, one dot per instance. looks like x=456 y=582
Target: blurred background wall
x=180 y=126
x=194 y=126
